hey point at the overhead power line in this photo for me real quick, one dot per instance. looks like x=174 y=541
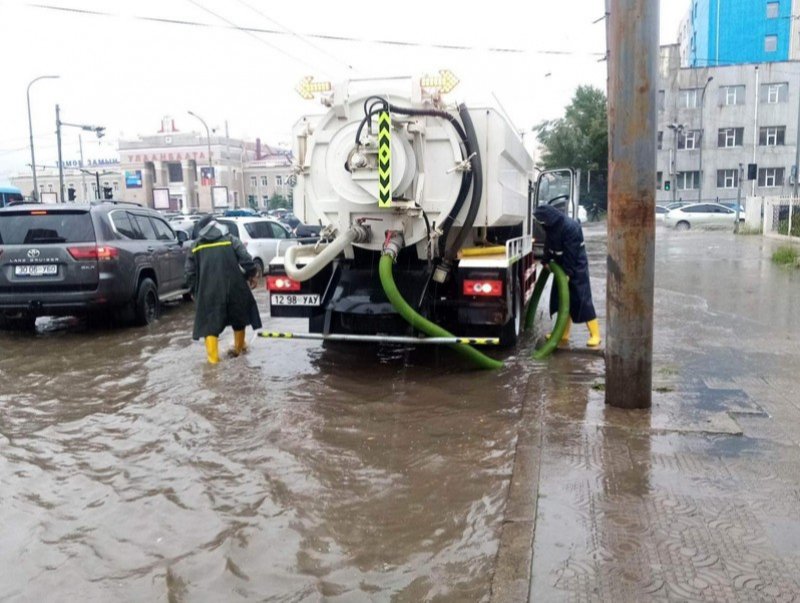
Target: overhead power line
x=335 y=38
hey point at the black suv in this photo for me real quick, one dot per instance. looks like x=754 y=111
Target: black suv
x=85 y=258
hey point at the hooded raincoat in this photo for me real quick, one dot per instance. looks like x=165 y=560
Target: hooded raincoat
x=564 y=245
x=217 y=270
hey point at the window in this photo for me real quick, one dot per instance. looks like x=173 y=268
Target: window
x=731 y=95
x=774 y=93
x=259 y=230
x=688 y=180
x=265 y=199
x=163 y=232
x=687 y=98
x=659 y=179
x=772 y=10
x=232 y=227
x=770 y=177
x=175 y=172
x=660 y=140
x=278 y=231
x=730 y=137
x=24 y=228
x=772 y=136
x=144 y=226
x=688 y=140
x=278 y=180
x=263 y=181
x=661 y=100
x=727 y=178
x=770 y=43
x=122 y=224
x=253 y=182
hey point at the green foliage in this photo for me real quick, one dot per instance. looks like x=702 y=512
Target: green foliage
x=783 y=226
x=785 y=256
x=278 y=201
x=579 y=139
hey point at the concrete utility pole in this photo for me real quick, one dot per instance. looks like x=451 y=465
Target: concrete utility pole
x=632 y=86
x=30 y=130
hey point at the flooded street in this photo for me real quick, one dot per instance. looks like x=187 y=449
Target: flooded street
x=132 y=470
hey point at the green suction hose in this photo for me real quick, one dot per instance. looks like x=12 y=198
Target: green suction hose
x=561 y=282
x=423 y=324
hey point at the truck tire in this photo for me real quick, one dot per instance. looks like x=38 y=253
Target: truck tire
x=146 y=304
x=509 y=335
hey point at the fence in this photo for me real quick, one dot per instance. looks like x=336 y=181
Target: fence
x=782 y=216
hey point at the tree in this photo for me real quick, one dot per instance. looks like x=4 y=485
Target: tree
x=579 y=139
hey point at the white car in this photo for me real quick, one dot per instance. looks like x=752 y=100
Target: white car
x=264 y=238
x=700 y=215
x=661 y=211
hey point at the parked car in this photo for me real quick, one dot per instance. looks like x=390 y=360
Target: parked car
x=290 y=220
x=78 y=258
x=307 y=231
x=661 y=211
x=264 y=238
x=700 y=215
x=732 y=205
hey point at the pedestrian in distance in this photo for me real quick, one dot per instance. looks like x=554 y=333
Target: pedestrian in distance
x=221 y=274
x=564 y=245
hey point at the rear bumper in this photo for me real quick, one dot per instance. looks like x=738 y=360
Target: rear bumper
x=66 y=300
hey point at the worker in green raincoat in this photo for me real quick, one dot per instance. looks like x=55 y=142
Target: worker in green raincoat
x=220 y=274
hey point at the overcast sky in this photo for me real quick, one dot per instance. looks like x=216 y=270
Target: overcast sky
x=142 y=59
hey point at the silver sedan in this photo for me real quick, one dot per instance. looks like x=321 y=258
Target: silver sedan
x=700 y=215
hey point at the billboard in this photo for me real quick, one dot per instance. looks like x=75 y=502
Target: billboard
x=219 y=196
x=48 y=197
x=133 y=179
x=161 y=198
x=207 y=176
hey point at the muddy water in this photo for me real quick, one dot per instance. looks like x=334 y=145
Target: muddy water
x=131 y=470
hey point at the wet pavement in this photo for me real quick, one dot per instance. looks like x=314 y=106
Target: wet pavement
x=699 y=499
x=131 y=470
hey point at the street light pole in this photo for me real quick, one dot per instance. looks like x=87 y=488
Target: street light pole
x=60 y=163
x=702 y=139
x=30 y=130
x=208 y=141
x=99 y=130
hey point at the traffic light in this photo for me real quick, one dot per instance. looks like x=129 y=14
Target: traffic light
x=71 y=194
x=667 y=185
x=108 y=192
x=752 y=171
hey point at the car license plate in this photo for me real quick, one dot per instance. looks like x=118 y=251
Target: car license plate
x=299 y=299
x=36 y=270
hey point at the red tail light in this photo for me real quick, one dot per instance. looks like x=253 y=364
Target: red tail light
x=282 y=283
x=483 y=288
x=95 y=252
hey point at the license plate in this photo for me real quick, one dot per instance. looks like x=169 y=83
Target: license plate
x=36 y=270
x=299 y=299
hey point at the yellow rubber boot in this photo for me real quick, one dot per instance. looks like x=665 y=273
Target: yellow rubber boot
x=594 y=334
x=212 y=349
x=565 y=336
x=239 y=345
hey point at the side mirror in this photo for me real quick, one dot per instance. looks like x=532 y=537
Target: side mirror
x=182 y=236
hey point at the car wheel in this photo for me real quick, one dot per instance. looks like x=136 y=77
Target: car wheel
x=259 y=267
x=682 y=225
x=147 y=306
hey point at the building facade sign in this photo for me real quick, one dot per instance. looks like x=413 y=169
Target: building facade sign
x=151 y=155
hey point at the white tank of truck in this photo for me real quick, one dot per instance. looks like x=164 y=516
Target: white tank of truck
x=338 y=175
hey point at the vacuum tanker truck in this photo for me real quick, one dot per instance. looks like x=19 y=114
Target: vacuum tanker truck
x=426 y=214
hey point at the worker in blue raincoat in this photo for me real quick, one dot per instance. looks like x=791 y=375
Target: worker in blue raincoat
x=221 y=273
x=564 y=245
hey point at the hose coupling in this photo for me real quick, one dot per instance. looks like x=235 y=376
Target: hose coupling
x=442 y=272
x=362 y=233
x=393 y=243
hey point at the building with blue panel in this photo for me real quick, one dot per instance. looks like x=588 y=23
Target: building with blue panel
x=730 y=32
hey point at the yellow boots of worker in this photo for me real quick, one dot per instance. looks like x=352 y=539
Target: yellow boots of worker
x=212 y=349
x=594 y=334
x=565 y=336
x=239 y=344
